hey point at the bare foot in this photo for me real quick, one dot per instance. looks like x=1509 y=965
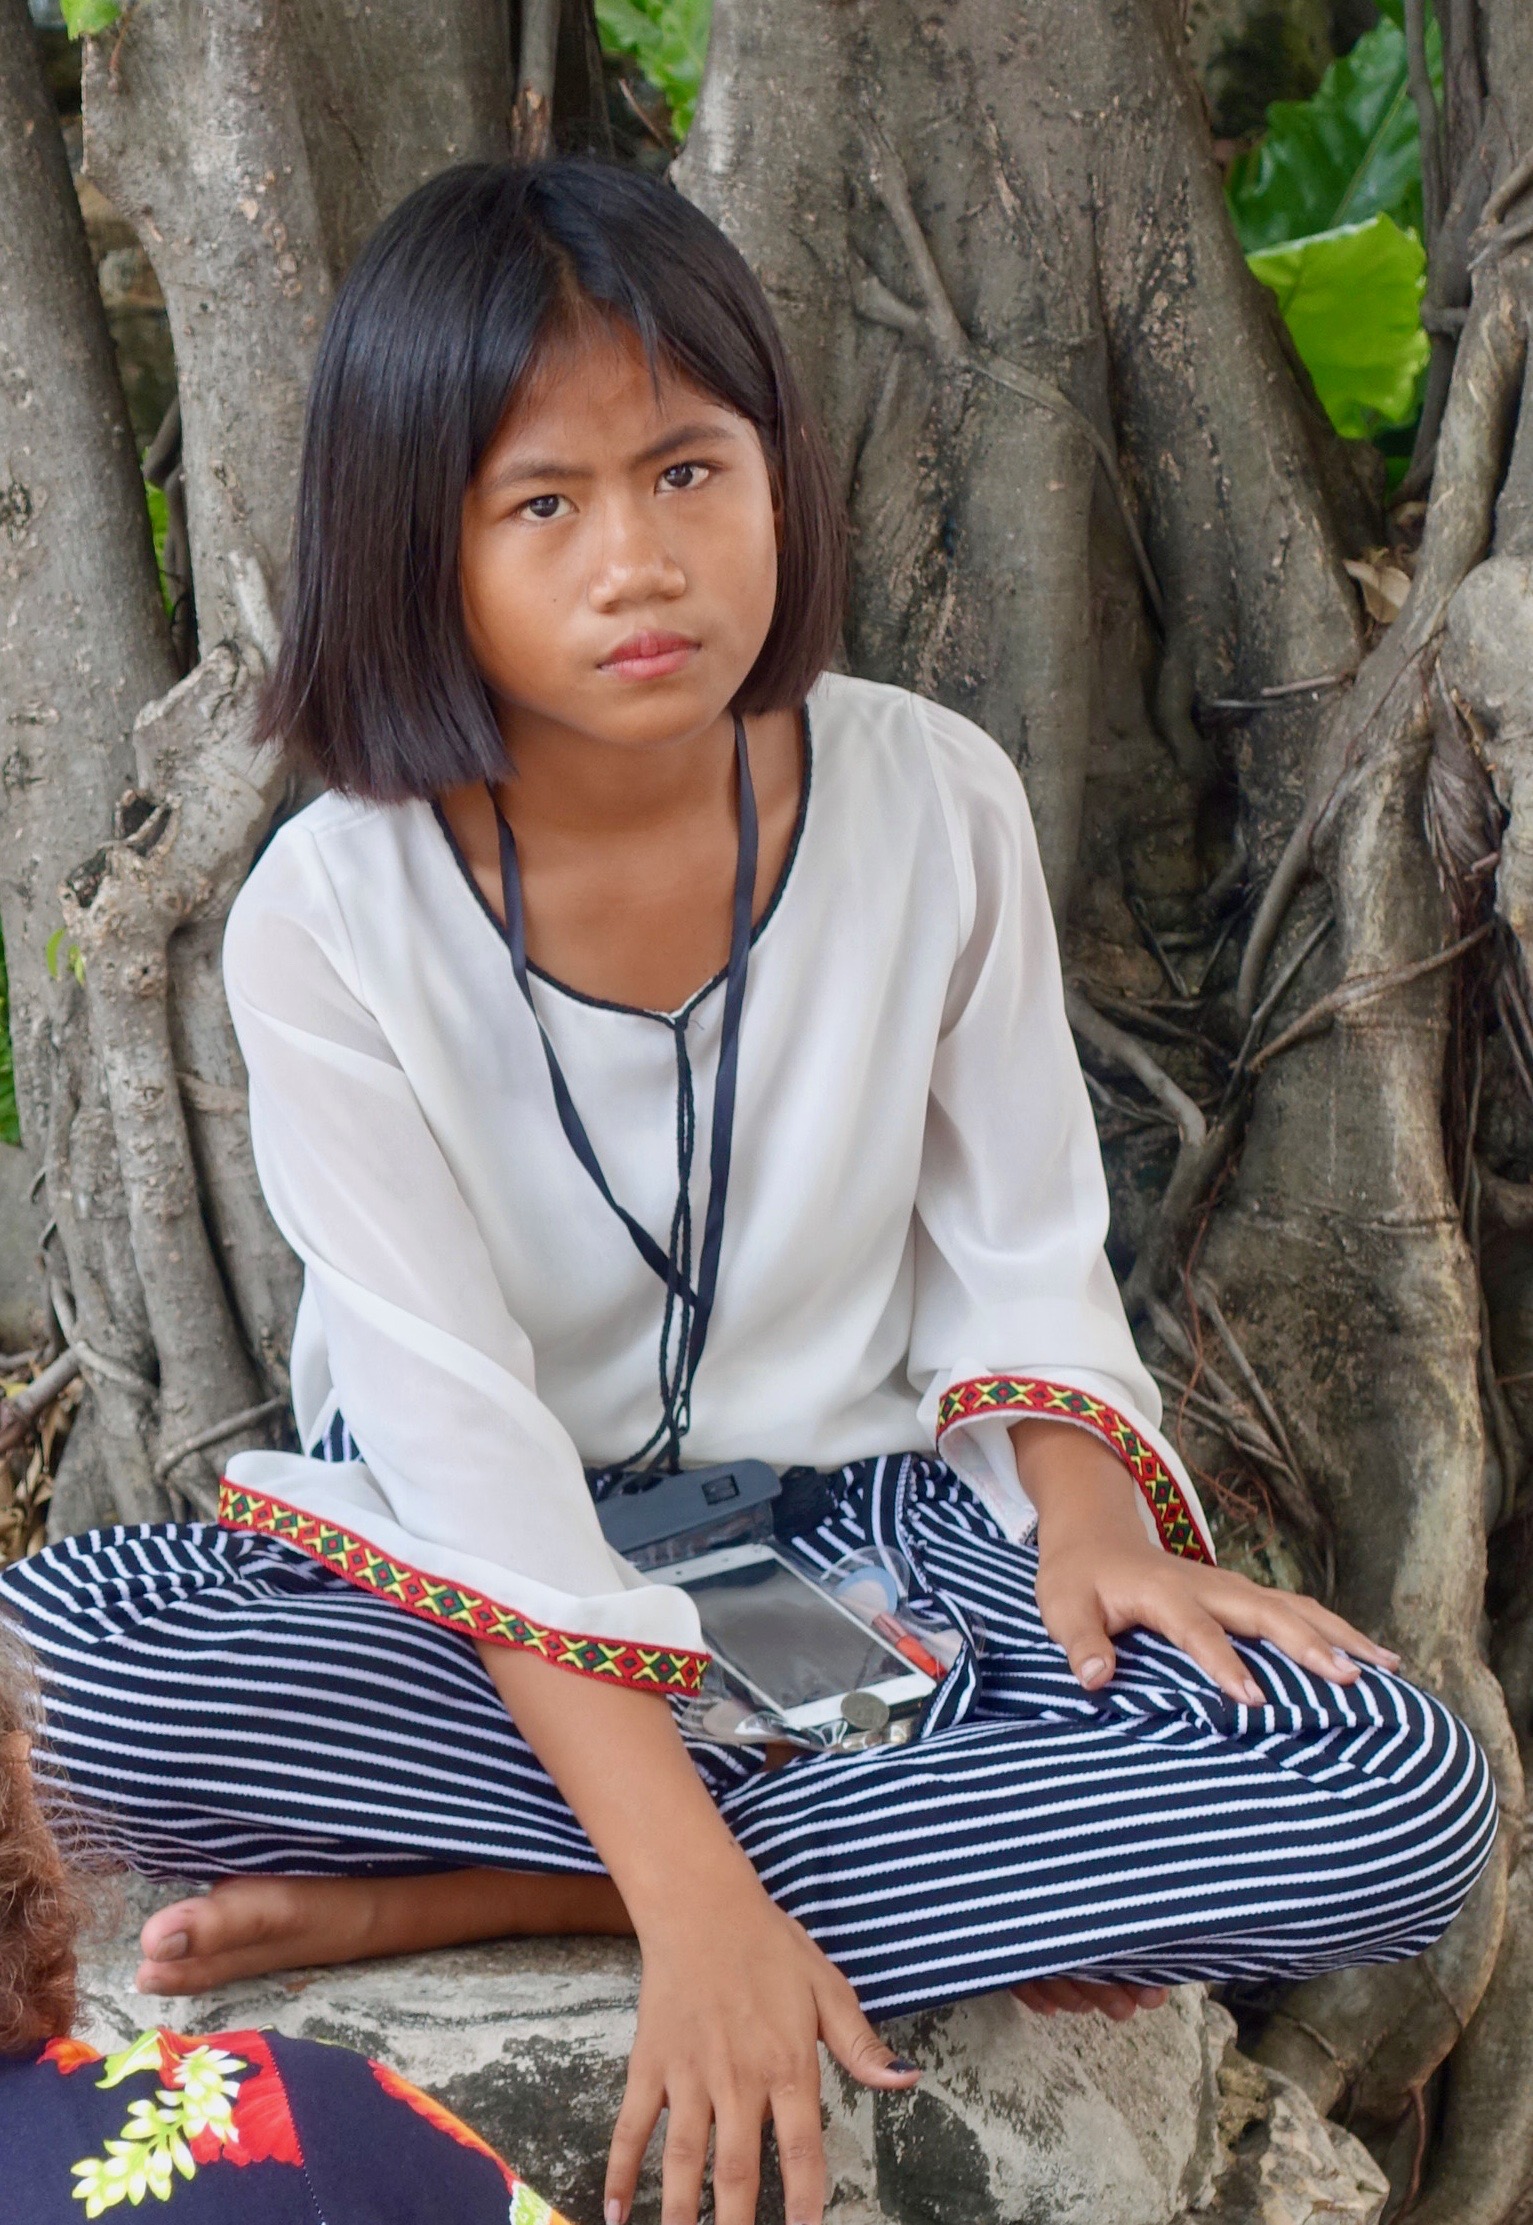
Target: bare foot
x=247 y=1926
x=1047 y=1996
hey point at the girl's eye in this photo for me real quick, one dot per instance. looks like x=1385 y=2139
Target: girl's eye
x=542 y=506
x=679 y=477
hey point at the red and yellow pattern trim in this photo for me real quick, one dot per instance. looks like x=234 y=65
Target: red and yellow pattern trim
x=1030 y=1394
x=454 y=1606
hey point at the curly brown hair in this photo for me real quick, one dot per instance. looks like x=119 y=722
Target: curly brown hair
x=41 y=1898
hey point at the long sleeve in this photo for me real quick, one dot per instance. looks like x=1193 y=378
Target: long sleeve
x=1016 y=1310
x=469 y=1504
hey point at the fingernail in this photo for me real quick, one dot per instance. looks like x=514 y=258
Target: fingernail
x=1092 y=1671
x=1252 y=1693
x=1391 y=1660
x=172 y=1948
x=614 y=2212
x=901 y=2063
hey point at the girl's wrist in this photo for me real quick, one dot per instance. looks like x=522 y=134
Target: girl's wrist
x=1081 y=1490
x=690 y=1901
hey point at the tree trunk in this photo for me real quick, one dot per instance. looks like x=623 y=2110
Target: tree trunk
x=1096 y=509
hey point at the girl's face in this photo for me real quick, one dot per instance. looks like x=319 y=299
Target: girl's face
x=619 y=552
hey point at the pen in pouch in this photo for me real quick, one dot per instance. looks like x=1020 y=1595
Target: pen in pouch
x=909 y=1647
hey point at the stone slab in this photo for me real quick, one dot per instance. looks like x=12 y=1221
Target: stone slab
x=1019 y=2120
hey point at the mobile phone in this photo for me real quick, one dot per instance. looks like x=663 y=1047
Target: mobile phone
x=788 y=1643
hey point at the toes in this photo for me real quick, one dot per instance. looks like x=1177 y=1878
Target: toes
x=167 y=1936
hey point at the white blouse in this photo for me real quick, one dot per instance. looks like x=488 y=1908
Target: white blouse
x=916 y=1207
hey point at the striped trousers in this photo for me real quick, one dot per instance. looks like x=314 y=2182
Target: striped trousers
x=219 y=1703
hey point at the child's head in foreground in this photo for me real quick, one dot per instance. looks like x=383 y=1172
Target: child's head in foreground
x=40 y=1902
x=557 y=467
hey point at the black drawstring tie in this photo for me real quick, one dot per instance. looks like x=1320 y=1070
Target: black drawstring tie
x=688 y=1308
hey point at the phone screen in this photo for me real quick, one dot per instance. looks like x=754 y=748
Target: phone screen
x=785 y=1638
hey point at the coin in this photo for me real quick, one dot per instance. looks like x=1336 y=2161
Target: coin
x=865 y=1711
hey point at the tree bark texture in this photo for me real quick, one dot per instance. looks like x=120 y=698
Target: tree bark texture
x=1096 y=507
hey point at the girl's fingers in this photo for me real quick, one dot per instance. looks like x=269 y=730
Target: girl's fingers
x=800 y=2150
x=737 y=2168
x=1204 y=1640
x=1077 y=1625
x=636 y=2120
x=1342 y=1635
x=685 y=2158
x=1034 y=1994
x=1307 y=1632
x=854 y=2043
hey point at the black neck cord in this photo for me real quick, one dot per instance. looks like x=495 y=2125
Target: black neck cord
x=688 y=1307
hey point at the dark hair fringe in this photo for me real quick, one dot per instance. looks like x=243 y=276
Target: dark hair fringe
x=440 y=319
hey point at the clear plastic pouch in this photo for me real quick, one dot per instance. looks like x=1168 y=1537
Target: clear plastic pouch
x=875 y=1588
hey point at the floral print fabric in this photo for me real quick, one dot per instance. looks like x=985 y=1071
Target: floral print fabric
x=241 y=2128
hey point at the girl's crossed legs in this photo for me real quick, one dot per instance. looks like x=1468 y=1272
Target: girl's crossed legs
x=226 y=1708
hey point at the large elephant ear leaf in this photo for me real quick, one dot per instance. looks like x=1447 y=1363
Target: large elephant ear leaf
x=1349 y=153
x=1351 y=298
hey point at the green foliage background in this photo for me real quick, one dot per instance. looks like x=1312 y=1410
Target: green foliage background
x=1328 y=208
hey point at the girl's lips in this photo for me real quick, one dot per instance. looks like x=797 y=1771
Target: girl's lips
x=649 y=656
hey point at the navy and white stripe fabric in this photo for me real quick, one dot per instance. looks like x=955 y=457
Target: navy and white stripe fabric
x=221 y=1703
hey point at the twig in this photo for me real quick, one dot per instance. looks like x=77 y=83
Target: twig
x=1197 y=1170
x=532 y=122
x=1158 y=951
x=1209 y=1304
x=666 y=146
x=1279 y=689
x=1502 y=241
x=1276 y=994
x=19 y=1415
x=1512 y=187
x=215 y=1434
x=939 y=324
x=91 y=1361
x=1124 y=1050
x=164 y=451
x=1362 y=989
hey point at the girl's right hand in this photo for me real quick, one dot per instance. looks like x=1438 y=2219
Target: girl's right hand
x=734 y=1998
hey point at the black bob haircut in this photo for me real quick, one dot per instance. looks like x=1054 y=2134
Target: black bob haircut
x=439 y=321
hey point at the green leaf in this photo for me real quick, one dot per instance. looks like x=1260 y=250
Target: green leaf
x=10 y=1120
x=669 y=41
x=1350 y=153
x=1352 y=300
x=159 y=526
x=51 y=950
x=83 y=18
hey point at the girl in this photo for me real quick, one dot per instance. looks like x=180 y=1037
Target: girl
x=316 y=2134
x=657 y=1054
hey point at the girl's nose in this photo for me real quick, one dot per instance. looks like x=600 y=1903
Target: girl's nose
x=634 y=563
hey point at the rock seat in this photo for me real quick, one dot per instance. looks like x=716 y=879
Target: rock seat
x=1019 y=2120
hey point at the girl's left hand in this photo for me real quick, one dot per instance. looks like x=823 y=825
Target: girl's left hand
x=1099 y=1572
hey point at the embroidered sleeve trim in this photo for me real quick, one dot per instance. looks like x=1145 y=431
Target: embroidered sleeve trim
x=454 y=1606
x=1030 y=1394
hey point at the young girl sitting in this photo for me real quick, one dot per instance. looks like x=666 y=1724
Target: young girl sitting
x=658 y=1054
x=231 y=2128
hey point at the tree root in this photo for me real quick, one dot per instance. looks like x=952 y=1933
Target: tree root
x=184 y=842
x=1366 y=2039
x=1123 y=1050
x=1482 y=2172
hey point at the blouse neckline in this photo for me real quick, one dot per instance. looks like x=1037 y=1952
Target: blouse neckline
x=611 y=1004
